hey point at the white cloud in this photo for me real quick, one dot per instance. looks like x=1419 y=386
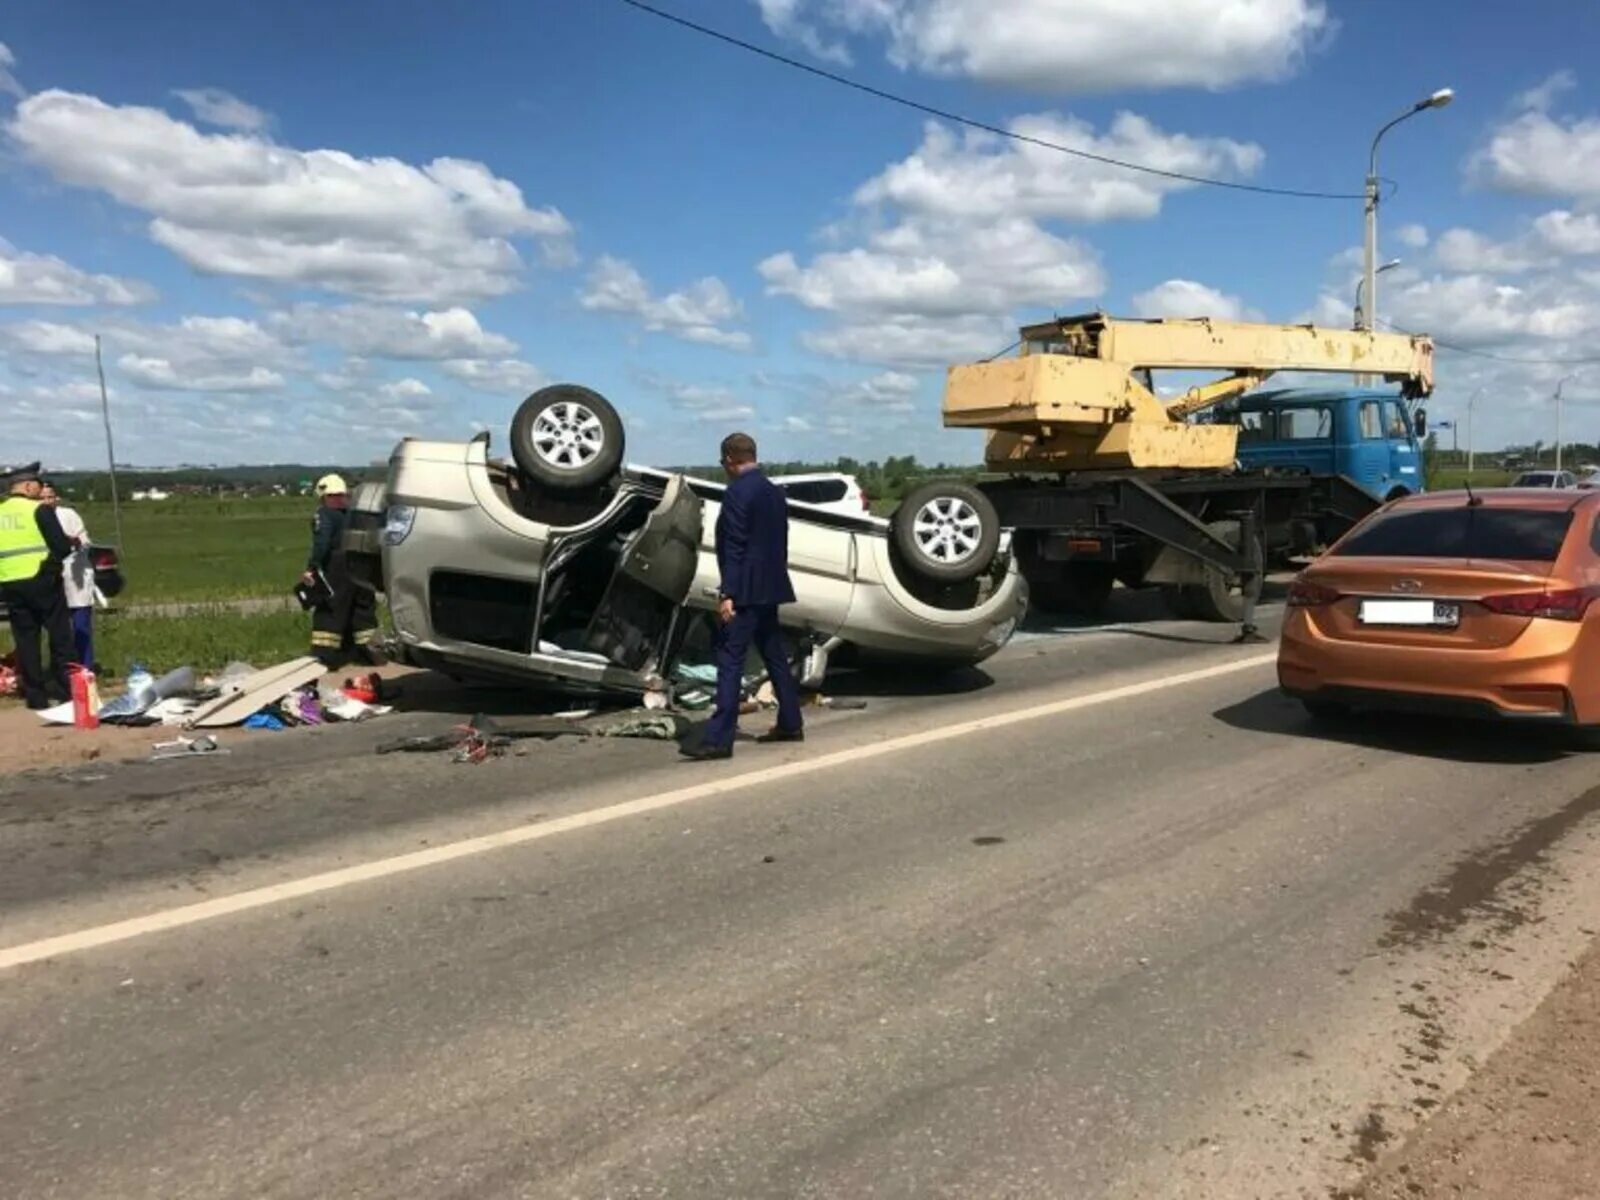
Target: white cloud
x=214 y=106
x=507 y=377
x=1074 y=46
x=374 y=331
x=928 y=288
x=981 y=176
x=1569 y=233
x=1549 y=315
x=1468 y=251
x=1543 y=96
x=1414 y=237
x=888 y=391
x=794 y=424
x=932 y=268
x=45 y=279
x=162 y=375
x=240 y=205
x=8 y=80
x=696 y=313
x=697 y=401
x=913 y=341
x=405 y=389
x=954 y=240
x=1538 y=154
x=783 y=18
x=1186 y=298
x=47 y=338
x=1545 y=242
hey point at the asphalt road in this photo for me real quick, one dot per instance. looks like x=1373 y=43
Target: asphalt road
x=1108 y=918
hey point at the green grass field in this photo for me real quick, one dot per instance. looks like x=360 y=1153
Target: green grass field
x=202 y=640
x=196 y=551
x=1449 y=478
x=193 y=549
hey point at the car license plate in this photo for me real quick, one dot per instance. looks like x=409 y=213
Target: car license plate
x=1435 y=613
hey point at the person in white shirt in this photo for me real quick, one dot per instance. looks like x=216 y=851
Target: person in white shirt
x=77 y=576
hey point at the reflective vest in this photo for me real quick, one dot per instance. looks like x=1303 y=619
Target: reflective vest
x=22 y=547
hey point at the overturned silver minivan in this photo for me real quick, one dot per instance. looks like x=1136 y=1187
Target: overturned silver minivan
x=567 y=569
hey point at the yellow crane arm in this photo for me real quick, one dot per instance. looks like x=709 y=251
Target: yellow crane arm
x=1078 y=395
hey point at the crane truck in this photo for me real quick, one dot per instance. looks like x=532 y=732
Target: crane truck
x=1100 y=478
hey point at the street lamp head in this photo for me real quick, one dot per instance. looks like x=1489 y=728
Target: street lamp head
x=1388 y=266
x=1439 y=99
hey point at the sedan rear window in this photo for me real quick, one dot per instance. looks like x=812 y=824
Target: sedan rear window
x=1465 y=532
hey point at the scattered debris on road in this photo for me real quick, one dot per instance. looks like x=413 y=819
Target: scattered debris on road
x=184 y=747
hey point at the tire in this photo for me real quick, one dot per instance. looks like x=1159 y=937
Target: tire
x=1080 y=589
x=1217 y=600
x=567 y=438
x=1584 y=739
x=946 y=532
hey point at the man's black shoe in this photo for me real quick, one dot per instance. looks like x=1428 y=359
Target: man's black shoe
x=706 y=753
x=783 y=735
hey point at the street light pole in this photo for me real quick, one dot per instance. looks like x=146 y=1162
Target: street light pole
x=1369 y=312
x=1361 y=287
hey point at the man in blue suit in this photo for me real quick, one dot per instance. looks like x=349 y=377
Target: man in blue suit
x=753 y=558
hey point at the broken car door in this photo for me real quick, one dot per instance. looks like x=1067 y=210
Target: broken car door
x=651 y=582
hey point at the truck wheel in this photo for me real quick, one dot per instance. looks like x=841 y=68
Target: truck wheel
x=1080 y=589
x=1217 y=599
x=567 y=438
x=946 y=531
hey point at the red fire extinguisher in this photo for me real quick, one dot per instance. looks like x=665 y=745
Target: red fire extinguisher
x=85 y=698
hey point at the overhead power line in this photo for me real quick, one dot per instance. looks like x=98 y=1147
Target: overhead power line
x=971 y=123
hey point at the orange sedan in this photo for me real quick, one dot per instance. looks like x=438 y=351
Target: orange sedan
x=1456 y=603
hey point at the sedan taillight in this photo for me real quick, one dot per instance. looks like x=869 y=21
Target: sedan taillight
x=1303 y=593
x=1564 y=604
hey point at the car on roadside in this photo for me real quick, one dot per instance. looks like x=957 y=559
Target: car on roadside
x=1545 y=479
x=567 y=569
x=1473 y=604
x=832 y=490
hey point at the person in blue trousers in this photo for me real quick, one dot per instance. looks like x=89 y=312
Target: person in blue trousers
x=753 y=559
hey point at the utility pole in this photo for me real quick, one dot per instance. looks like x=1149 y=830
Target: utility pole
x=1559 y=386
x=1472 y=400
x=111 y=452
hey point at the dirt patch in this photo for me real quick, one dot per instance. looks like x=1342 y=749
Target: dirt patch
x=1486 y=883
x=28 y=744
x=1523 y=1127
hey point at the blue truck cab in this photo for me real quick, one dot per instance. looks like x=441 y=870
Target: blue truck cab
x=1367 y=435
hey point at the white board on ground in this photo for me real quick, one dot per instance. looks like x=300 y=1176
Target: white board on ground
x=255 y=693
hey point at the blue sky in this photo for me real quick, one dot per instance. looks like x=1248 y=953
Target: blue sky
x=303 y=231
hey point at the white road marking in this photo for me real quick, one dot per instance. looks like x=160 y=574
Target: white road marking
x=327 y=881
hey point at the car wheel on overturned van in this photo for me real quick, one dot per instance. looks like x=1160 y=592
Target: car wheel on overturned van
x=567 y=438
x=946 y=532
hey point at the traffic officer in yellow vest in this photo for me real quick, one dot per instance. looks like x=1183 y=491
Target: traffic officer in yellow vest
x=344 y=622
x=32 y=549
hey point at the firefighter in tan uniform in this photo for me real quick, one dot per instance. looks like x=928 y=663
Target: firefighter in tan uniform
x=344 y=624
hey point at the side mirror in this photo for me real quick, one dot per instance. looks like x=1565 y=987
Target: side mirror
x=1421 y=422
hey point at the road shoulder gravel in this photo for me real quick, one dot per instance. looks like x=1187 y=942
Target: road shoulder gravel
x=1523 y=1126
